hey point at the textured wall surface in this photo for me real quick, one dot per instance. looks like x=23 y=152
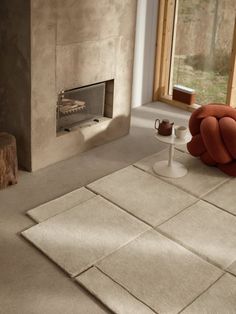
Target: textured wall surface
x=76 y=43
x=15 y=75
x=47 y=46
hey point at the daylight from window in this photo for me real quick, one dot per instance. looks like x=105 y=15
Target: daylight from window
x=202 y=47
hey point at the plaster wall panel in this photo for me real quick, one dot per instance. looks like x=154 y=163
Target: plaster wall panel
x=15 y=75
x=128 y=18
x=82 y=139
x=80 y=21
x=123 y=83
x=43 y=67
x=85 y=63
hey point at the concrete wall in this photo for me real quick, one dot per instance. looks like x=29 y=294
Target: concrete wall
x=77 y=43
x=15 y=75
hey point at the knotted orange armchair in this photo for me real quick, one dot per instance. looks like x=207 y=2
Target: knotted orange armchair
x=213 y=129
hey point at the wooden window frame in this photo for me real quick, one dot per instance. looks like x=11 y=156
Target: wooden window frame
x=165 y=37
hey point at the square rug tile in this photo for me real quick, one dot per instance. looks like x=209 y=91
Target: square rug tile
x=224 y=196
x=200 y=178
x=143 y=195
x=207 y=230
x=232 y=268
x=60 y=204
x=78 y=237
x=159 y=272
x=220 y=298
x=110 y=293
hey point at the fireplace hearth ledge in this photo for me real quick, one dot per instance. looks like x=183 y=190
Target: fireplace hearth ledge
x=85 y=124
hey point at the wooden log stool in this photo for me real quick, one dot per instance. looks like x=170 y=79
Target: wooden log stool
x=8 y=160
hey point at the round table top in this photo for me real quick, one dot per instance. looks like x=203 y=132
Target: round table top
x=172 y=139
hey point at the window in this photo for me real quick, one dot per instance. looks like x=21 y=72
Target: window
x=196 y=48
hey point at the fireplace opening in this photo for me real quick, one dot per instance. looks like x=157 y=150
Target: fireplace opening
x=84 y=106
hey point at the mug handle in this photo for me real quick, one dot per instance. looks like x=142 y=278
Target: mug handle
x=155 y=125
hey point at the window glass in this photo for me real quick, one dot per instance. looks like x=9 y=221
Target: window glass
x=202 y=47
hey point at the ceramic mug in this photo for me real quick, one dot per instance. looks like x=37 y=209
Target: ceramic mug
x=181 y=132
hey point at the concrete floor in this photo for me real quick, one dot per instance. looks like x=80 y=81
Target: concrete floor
x=30 y=283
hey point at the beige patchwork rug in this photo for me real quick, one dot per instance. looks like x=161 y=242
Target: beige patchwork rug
x=146 y=244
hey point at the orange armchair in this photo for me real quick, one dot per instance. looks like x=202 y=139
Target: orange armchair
x=213 y=129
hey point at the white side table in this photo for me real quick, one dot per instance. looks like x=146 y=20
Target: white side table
x=170 y=168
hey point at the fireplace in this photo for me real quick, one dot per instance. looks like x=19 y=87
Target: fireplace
x=83 y=106
x=76 y=47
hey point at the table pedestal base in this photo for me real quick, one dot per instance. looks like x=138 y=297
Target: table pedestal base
x=175 y=170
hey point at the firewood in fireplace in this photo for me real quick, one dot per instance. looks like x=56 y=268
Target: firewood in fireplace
x=8 y=160
x=68 y=106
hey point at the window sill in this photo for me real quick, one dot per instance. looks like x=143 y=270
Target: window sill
x=170 y=101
